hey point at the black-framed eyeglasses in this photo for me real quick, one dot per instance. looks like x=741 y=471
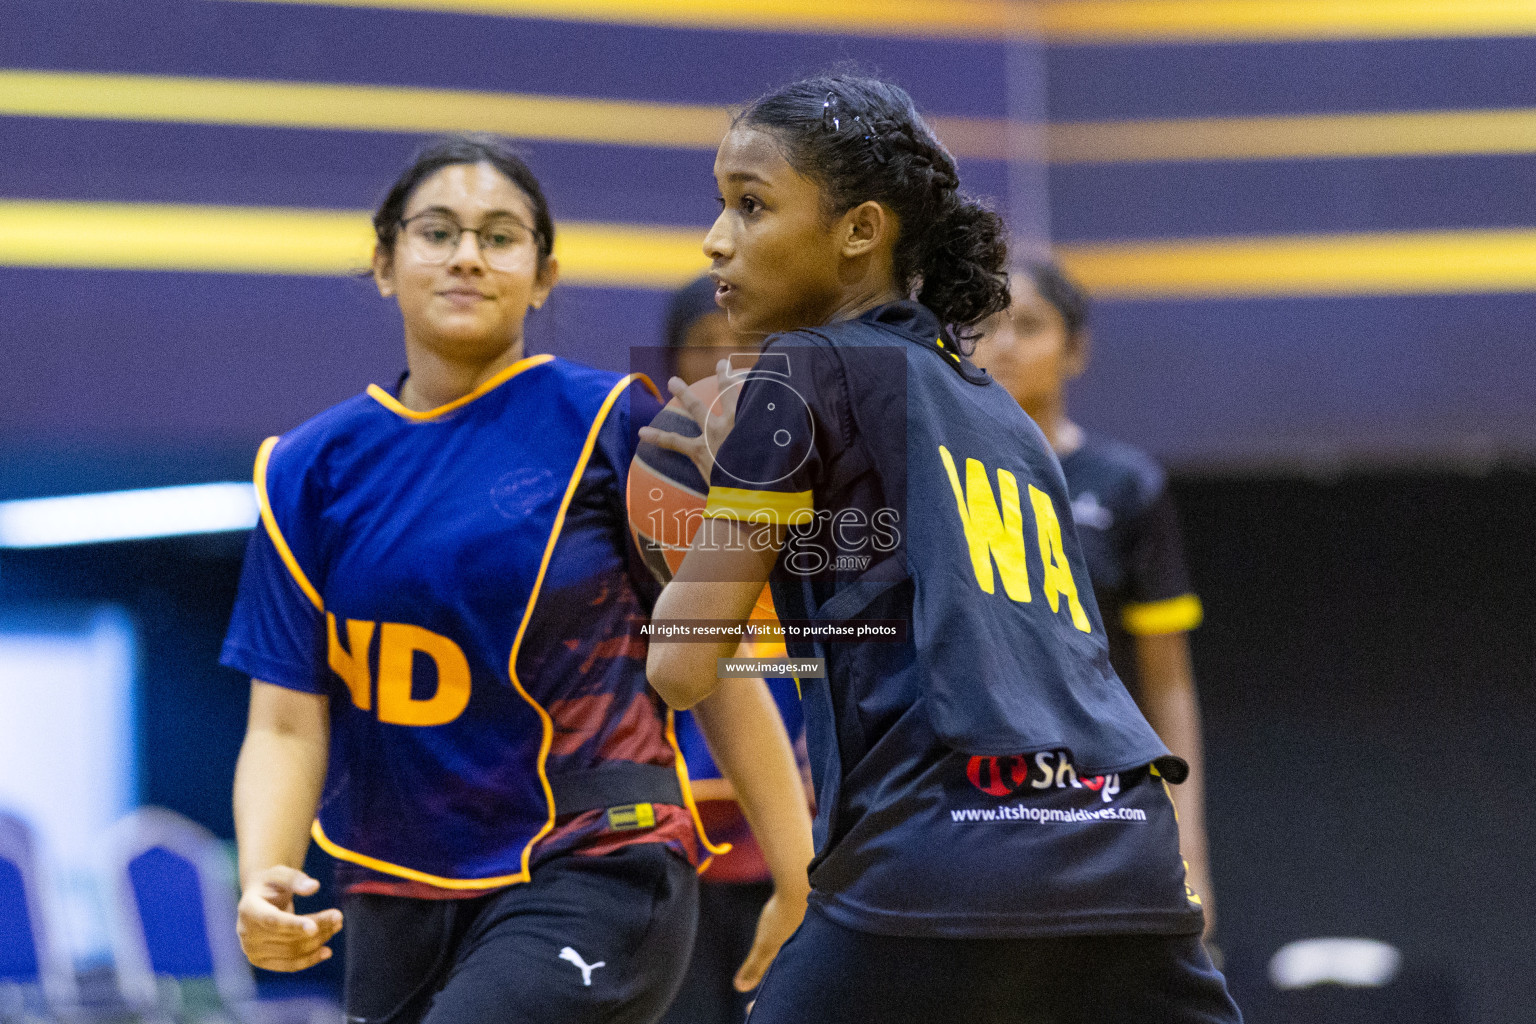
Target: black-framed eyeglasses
x=432 y=238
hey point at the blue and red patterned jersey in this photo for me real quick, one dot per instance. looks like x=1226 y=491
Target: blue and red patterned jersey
x=459 y=583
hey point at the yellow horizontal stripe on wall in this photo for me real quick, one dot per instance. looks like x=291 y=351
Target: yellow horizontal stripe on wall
x=134 y=236
x=1066 y=21
x=260 y=240
x=629 y=257
x=1303 y=137
x=358 y=107
x=272 y=104
x=697 y=126
x=920 y=18
x=1405 y=263
x=1152 y=21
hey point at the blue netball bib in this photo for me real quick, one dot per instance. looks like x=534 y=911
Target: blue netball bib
x=456 y=581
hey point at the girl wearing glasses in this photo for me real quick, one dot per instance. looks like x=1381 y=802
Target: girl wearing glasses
x=994 y=837
x=440 y=618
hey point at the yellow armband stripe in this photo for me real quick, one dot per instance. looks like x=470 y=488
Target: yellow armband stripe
x=1175 y=615
x=775 y=506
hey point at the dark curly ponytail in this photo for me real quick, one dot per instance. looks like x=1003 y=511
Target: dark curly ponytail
x=862 y=139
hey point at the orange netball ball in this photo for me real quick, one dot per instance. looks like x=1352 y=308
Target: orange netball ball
x=665 y=496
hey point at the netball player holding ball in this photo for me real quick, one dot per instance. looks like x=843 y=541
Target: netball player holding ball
x=994 y=836
x=439 y=615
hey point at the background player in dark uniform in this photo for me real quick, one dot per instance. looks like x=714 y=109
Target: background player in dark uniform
x=1127 y=524
x=994 y=838
x=441 y=620
x=697 y=333
x=736 y=885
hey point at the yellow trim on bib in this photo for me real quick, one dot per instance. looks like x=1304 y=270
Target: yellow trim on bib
x=547 y=739
x=341 y=853
x=687 y=787
x=268 y=520
x=1175 y=615
x=394 y=405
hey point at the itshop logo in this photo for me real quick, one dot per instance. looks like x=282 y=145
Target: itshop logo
x=1049 y=769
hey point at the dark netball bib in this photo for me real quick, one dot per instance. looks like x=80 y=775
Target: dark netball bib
x=1013 y=650
x=981 y=772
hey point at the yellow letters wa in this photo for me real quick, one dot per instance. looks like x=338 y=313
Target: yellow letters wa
x=1058 y=573
x=988 y=534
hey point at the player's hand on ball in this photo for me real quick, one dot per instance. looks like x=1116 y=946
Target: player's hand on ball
x=272 y=935
x=715 y=421
x=778 y=921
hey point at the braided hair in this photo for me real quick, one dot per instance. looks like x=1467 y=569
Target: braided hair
x=862 y=139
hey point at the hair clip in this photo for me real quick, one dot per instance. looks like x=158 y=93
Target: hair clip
x=876 y=143
x=832 y=121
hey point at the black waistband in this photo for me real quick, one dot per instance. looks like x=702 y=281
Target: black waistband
x=615 y=784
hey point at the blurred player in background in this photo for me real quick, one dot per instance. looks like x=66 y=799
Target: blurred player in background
x=737 y=884
x=440 y=618
x=698 y=334
x=1128 y=527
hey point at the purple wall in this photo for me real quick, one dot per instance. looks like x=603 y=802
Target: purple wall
x=108 y=365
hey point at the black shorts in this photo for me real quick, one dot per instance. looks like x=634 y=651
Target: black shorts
x=589 y=938
x=829 y=973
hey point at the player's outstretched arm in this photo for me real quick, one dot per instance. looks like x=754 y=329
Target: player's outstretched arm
x=277 y=788
x=725 y=568
x=1168 y=699
x=748 y=741
x=720 y=580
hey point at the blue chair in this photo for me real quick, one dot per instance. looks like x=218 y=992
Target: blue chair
x=37 y=975
x=173 y=927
